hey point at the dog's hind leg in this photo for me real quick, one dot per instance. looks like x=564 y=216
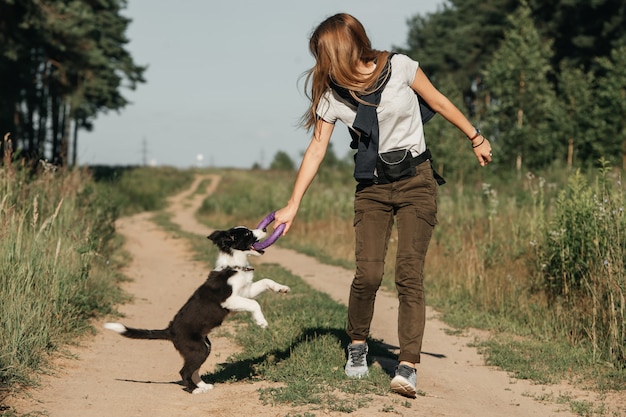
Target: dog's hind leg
x=195 y=353
x=195 y=377
x=202 y=386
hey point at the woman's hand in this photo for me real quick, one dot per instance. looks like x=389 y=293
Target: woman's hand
x=482 y=150
x=285 y=216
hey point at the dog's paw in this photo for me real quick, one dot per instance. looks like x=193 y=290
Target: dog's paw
x=282 y=288
x=203 y=388
x=262 y=323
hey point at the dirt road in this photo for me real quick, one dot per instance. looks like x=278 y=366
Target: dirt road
x=111 y=376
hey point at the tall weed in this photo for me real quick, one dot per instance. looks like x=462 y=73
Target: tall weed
x=56 y=236
x=583 y=264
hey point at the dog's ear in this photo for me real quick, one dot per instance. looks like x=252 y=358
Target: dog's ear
x=223 y=239
x=216 y=235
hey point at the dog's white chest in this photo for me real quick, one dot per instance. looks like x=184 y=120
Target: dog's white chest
x=240 y=281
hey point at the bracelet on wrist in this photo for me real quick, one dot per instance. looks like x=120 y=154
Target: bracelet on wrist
x=481 y=142
x=477 y=134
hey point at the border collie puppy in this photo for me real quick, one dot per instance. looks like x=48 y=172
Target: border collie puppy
x=228 y=288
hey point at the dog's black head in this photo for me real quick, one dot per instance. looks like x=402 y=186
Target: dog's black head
x=238 y=238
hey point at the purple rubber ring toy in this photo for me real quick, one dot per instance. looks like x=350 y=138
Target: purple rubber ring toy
x=273 y=237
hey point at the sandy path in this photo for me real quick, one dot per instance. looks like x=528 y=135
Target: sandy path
x=121 y=377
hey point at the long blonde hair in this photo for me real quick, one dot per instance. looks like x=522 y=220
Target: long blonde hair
x=339 y=44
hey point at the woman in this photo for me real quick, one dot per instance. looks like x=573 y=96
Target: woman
x=374 y=94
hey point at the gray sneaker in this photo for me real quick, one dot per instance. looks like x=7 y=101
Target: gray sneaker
x=405 y=381
x=356 y=367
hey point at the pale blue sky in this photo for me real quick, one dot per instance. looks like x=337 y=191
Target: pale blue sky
x=224 y=79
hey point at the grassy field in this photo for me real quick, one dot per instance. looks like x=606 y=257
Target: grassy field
x=60 y=257
x=536 y=260
x=303 y=350
x=57 y=266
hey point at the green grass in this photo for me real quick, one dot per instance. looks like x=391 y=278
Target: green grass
x=60 y=258
x=58 y=267
x=302 y=351
x=137 y=189
x=483 y=270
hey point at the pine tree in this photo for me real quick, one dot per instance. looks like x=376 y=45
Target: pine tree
x=524 y=109
x=611 y=119
x=63 y=63
x=577 y=122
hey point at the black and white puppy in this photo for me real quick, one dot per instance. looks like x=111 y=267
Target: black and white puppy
x=228 y=288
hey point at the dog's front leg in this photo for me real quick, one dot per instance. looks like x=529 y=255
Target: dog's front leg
x=238 y=303
x=257 y=287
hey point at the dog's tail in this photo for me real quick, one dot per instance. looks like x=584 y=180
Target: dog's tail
x=132 y=333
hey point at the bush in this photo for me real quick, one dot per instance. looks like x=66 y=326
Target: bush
x=583 y=261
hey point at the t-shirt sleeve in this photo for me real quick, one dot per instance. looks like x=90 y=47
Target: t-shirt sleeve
x=405 y=66
x=325 y=109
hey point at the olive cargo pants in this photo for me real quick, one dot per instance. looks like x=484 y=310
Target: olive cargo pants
x=413 y=203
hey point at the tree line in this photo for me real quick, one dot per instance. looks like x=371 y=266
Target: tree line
x=545 y=80
x=61 y=64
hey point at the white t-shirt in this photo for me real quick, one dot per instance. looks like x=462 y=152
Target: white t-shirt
x=399 y=120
